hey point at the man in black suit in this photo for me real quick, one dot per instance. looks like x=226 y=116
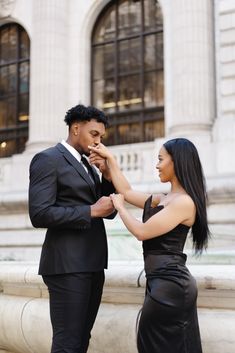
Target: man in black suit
x=67 y=197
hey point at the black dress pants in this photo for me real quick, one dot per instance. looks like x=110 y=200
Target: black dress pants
x=74 y=303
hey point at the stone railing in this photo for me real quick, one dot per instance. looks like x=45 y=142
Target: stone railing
x=24 y=312
x=136 y=161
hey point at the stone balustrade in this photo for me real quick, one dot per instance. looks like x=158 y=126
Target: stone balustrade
x=24 y=311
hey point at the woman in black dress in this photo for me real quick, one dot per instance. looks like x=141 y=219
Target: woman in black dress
x=168 y=321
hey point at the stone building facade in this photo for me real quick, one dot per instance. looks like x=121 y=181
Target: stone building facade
x=199 y=102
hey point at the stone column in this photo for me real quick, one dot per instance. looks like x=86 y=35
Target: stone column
x=189 y=52
x=224 y=129
x=48 y=93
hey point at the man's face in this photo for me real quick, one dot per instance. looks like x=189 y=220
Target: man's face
x=87 y=133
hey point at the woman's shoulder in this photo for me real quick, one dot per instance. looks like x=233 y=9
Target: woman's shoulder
x=183 y=201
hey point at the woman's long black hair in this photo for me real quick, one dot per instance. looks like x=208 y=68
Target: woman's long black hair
x=189 y=172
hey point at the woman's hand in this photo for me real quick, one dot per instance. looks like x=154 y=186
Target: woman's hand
x=118 y=201
x=101 y=150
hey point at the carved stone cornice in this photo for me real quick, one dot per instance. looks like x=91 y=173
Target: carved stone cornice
x=6 y=7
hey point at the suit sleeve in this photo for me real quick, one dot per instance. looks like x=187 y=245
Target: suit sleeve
x=43 y=210
x=107 y=188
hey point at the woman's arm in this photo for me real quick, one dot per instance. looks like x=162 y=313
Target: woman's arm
x=177 y=212
x=120 y=182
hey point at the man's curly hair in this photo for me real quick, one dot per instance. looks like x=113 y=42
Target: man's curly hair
x=81 y=113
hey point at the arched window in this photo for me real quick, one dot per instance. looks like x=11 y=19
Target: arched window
x=127 y=70
x=14 y=89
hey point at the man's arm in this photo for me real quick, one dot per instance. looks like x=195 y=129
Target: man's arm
x=43 y=210
x=107 y=189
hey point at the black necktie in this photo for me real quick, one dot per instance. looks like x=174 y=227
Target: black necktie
x=89 y=169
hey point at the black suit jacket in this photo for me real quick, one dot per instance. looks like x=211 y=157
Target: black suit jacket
x=60 y=195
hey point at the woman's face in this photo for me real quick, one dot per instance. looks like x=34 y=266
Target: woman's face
x=165 y=166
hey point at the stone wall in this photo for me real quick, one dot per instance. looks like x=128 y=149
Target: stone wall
x=199 y=76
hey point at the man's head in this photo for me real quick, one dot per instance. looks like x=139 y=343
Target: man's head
x=86 y=127
x=80 y=113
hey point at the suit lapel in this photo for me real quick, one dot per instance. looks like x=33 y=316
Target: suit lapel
x=79 y=168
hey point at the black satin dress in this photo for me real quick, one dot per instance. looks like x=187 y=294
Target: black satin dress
x=168 y=321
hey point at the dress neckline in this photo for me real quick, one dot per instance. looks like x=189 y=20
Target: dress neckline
x=161 y=206
x=151 y=199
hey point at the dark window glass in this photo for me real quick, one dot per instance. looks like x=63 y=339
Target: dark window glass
x=129 y=17
x=106 y=29
x=24 y=45
x=153 y=95
x=14 y=89
x=129 y=56
x=127 y=70
x=153 y=19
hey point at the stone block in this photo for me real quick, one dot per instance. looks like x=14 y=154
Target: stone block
x=226 y=6
x=227 y=54
x=228 y=86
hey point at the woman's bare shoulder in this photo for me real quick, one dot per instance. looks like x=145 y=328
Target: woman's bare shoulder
x=184 y=201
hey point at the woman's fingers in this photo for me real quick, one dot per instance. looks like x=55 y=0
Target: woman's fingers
x=100 y=149
x=118 y=199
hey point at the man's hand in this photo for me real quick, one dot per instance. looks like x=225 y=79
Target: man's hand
x=101 y=164
x=102 y=208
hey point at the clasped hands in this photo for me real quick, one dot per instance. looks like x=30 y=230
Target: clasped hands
x=106 y=205
x=118 y=201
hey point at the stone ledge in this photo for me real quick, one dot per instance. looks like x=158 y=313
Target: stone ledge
x=125 y=283
x=24 y=309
